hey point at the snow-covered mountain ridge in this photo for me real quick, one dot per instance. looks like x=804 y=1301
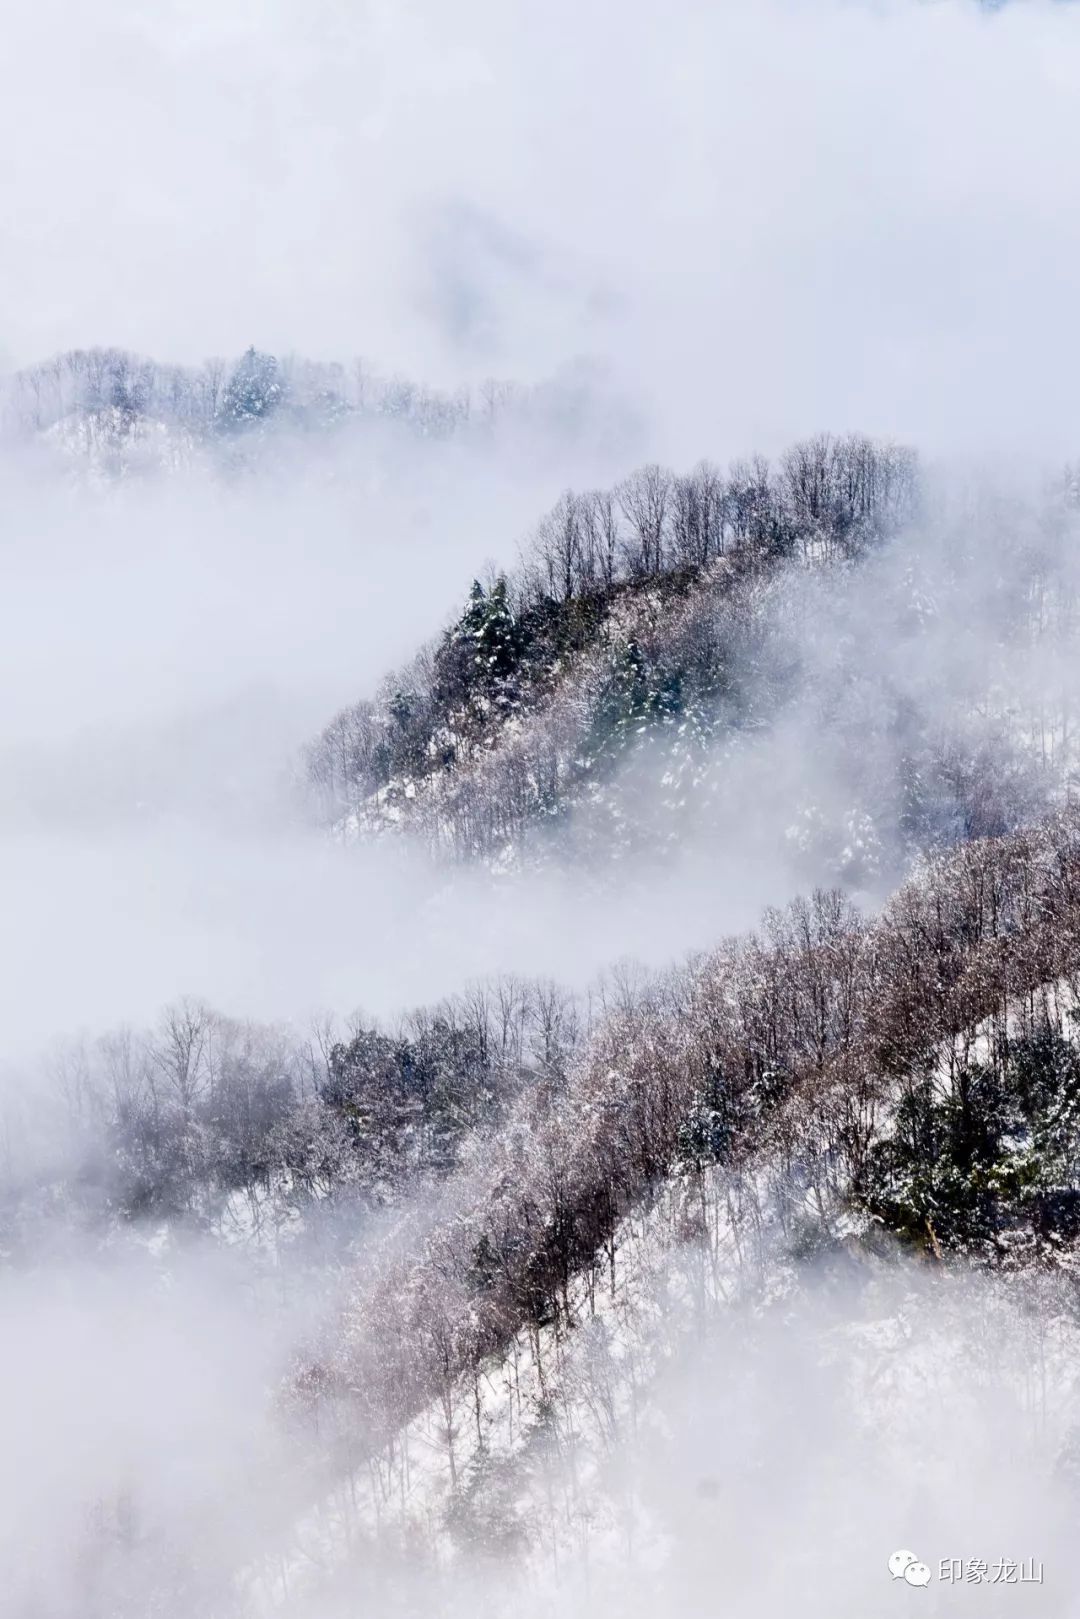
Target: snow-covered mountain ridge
x=833 y=665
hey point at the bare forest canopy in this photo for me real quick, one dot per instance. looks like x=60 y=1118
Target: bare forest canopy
x=540 y=810
x=858 y=658
x=109 y=402
x=659 y=571
x=841 y=654
x=911 y=1075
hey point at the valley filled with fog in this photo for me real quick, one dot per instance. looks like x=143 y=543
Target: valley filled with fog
x=539 y=623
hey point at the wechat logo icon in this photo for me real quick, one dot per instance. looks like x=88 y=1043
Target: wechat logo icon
x=906 y=1566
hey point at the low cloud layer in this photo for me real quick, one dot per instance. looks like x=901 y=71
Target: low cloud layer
x=762 y=1458
x=751 y=220
x=167 y=648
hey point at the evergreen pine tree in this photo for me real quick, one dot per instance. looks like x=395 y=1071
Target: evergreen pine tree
x=634 y=698
x=252 y=393
x=489 y=641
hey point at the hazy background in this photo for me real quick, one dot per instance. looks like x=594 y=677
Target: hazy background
x=749 y=220
x=769 y=215
x=165 y=650
x=755 y=219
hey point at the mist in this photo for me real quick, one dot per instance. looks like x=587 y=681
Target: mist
x=857 y=226
x=169 y=645
x=766 y=217
x=693 y=230
x=906 y=703
x=765 y=1453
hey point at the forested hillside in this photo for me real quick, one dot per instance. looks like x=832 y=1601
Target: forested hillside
x=508 y=1212
x=540 y=810
x=686 y=660
x=634 y=610
x=797 y=1109
x=551 y=1200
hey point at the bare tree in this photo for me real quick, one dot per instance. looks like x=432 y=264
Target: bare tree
x=644 y=499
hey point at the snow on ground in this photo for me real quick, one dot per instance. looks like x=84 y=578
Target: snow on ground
x=550 y=1452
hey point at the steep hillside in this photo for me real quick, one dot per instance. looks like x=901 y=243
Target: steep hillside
x=833 y=664
x=540 y=976
x=479 y=1244
x=794 y=1112
x=569 y=1207
x=635 y=612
